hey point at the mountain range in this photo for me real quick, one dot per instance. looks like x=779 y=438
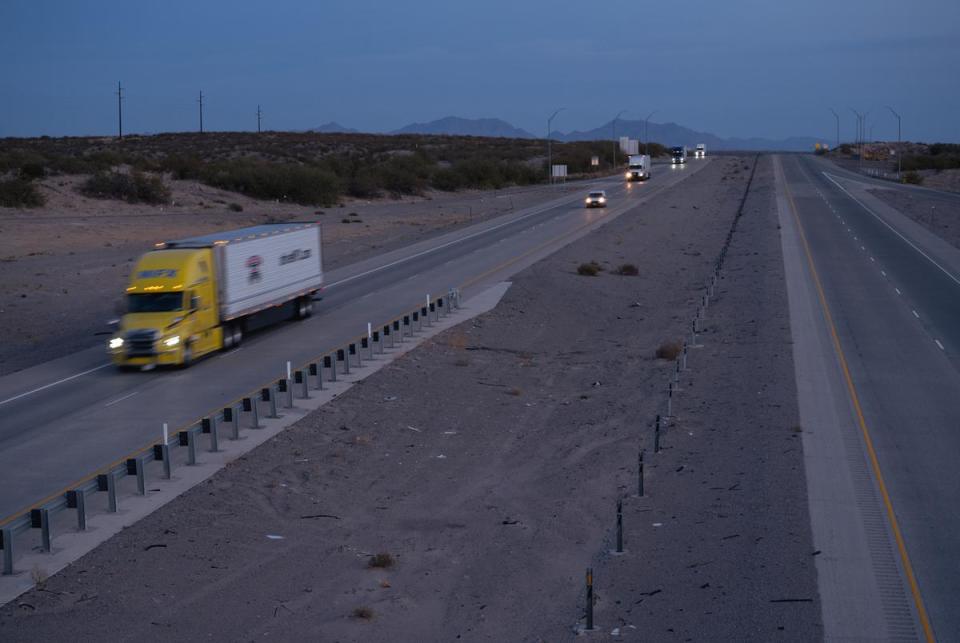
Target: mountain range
x=669 y=134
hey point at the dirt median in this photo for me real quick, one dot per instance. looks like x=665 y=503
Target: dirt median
x=486 y=466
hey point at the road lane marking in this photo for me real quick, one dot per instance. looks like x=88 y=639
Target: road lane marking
x=939 y=344
x=864 y=430
x=121 y=399
x=898 y=291
x=883 y=272
x=915 y=313
x=878 y=218
x=46 y=386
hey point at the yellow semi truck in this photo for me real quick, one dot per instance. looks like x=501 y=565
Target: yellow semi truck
x=194 y=296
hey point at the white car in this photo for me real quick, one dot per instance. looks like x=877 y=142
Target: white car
x=596 y=199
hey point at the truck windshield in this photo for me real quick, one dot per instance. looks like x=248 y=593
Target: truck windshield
x=155 y=302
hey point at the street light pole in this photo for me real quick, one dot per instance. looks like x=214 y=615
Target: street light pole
x=615 y=136
x=859 y=139
x=836 y=116
x=646 y=132
x=549 y=146
x=899 y=150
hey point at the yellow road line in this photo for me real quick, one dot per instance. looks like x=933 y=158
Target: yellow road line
x=871 y=452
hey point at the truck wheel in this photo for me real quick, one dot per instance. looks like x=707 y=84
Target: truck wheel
x=303 y=307
x=228 y=336
x=237 y=332
x=187 y=356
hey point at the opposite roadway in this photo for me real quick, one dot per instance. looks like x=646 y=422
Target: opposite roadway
x=65 y=419
x=877 y=367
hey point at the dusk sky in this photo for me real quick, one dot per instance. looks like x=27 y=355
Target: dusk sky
x=740 y=68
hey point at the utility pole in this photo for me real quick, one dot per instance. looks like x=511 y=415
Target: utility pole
x=615 y=137
x=200 y=100
x=836 y=116
x=549 y=148
x=646 y=132
x=259 y=115
x=899 y=150
x=119 y=111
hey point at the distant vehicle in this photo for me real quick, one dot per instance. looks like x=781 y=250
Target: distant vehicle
x=638 y=168
x=596 y=199
x=195 y=296
x=700 y=151
x=679 y=155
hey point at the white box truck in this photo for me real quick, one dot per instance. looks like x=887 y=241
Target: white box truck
x=700 y=151
x=194 y=296
x=638 y=168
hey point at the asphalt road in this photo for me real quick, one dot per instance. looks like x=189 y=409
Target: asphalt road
x=877 y=368
x=64 y=419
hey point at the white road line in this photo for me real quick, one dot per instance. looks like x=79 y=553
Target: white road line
x=915 y=313
x=882 y=272
x=939 y=344
x=861 y=247
x=878 y=218
x=121 y=399
x=898 y=291
x=46 y=386
x=872 y=259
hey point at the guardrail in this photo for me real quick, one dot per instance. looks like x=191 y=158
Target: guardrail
x=266 y=398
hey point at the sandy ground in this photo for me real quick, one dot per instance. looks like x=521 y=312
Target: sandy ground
x=65 y=265
x=487 y=464
x=939 y=215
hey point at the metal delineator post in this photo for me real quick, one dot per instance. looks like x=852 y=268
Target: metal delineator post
x=186 y=439
x=640 y=474
x=231 y=414
x=589 y=598
x=299 y=377
x=656 y=436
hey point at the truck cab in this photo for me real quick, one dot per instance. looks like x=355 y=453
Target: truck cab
x=678 y=155
x=638 y=168
x=170 y=310
x=700 y=151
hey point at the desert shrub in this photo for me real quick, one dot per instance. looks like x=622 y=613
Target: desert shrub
x=913 y=178
x=404 y=174
x=20 y=193
x=183 y=167
x=363 y=185
x=134 y=187
x=669 y=350
x=628 y=270
x=446 y=179
x=31 y=171
x=591 y=269
x=235 y=207
x=363 y=613
x=291 y=182
x=381 y=561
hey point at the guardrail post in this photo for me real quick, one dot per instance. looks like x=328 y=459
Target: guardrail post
x=76 y=499
x=416 y=318
x=314 y=370
x=406 y=326
x=135 y=468
x=162 y=453
x=231 y=415
x=397 y=330
x=6 y=541
x=328 y=363
x=186 y=440
x=433 y=312
x=365 y=343
x=283 y=386
x=342 y=357
x=441 y=308
x=209 y=425
x=656 y=436
x=352 y=350
x=40 y=519
x=108 y=482
x=386 y=333
x=424 y=316
x=640 y=474
x=589 y=598
x=300 y=378
x=619 y=526
x=266 y=396
x=376 y=340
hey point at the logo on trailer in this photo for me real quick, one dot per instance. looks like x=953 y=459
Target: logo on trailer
x=294 y=255
x=253 y=263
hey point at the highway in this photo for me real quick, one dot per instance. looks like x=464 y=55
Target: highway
x=65 y=419
x=875 y=313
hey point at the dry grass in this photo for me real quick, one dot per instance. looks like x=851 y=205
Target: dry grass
x=363 y=613
x=461 y=361
x=382 y=560
x=516 y=392
x=38 y=575
x=669 y=350
x=628 y=270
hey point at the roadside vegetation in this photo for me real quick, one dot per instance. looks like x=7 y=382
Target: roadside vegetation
x=939 y=156
x=303 y=168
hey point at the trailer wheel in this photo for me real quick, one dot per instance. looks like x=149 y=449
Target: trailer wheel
x=303 y=307
x=228 y=336
x=237 y=333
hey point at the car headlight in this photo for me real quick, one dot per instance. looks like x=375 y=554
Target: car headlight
x=587 y=200
x=603 y=199
x=172 y=341
x=116 y=343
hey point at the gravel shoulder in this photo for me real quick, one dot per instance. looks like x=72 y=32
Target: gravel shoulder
x=487 y=464
x=65 y=265
x=939 y=215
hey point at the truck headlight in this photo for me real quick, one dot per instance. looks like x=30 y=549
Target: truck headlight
x=172 y=341
x=116 y=343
